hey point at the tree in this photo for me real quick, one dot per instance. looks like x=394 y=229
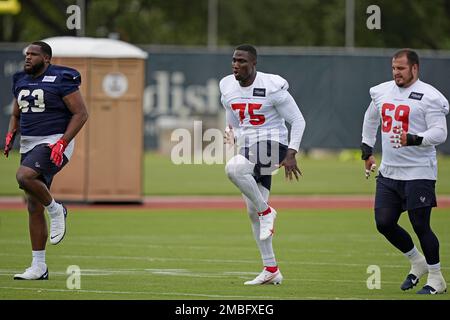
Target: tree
x=420 y=24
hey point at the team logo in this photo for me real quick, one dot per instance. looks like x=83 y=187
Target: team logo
x=416 y=96
x=259 y=92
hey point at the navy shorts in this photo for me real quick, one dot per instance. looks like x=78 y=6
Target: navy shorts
x=404 y=194
x=266 y=155
x=38 y=159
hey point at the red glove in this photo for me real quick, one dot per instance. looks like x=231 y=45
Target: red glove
x=9 y=141
x=57 y=154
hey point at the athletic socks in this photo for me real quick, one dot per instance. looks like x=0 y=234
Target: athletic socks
x=38 y=257
x=418 y=262
x=53 y=208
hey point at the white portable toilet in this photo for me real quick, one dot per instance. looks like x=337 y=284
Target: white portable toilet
x=108 y=159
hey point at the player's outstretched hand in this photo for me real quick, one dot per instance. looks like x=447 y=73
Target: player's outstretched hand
x=398 y=139
x=229 y=136
x=290 y=166
x=57 y=154
x=370 y=166
x=9 y=141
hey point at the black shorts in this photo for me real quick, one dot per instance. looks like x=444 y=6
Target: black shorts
x=38 y=159
x=266 y=155
x=404 y=194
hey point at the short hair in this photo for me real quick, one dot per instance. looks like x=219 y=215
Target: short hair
x=249 y=48
x=411 y=56
x=45 y=48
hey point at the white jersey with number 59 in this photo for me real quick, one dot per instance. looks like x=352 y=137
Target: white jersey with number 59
x=258 y=112
x=419 y=109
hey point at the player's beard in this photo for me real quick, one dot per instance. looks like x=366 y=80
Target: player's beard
x=34 y=69
x=406 y=81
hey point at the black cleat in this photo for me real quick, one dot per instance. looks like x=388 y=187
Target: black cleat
x=430 y=290
x=410 y=282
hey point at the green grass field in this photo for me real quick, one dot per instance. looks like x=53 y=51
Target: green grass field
x=330 y=175
x=208 y=254
x=202 y=254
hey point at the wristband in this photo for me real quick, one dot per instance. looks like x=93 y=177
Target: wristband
x=413 y=140
x=366 y=151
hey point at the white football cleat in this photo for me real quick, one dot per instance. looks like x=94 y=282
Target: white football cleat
x=35 y=272
x=266 y=224
x=266 y=277
x=58 y=226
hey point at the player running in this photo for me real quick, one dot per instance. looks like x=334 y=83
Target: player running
x=413 y=122
x=257 y=105
x=48 y=112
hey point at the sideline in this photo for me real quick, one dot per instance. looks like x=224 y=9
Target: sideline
x=228 y=202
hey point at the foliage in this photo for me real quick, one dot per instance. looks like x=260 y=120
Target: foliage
x=419 y=24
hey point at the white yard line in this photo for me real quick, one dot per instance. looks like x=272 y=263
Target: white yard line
x=184 y=273
x=182 y=294
x=215 y=261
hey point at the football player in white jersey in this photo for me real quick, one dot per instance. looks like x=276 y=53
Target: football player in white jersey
x=412 y=115
x=257 y=105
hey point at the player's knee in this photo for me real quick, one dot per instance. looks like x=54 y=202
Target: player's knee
x=384 y=227
x=22 y=179
x=238 y=166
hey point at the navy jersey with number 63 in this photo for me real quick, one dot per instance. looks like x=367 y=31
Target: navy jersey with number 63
x=40 y=100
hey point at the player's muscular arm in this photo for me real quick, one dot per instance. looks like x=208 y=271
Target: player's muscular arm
x=75 y=104
x=15 y=117
x=12 y=129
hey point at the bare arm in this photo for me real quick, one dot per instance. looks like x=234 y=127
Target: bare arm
x=15 y=117
x=12 y=128
x=75 y=104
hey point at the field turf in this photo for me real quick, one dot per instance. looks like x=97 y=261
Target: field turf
x=204 y=254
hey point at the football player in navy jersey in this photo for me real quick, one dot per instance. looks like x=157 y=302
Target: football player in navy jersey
x=48 y=112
